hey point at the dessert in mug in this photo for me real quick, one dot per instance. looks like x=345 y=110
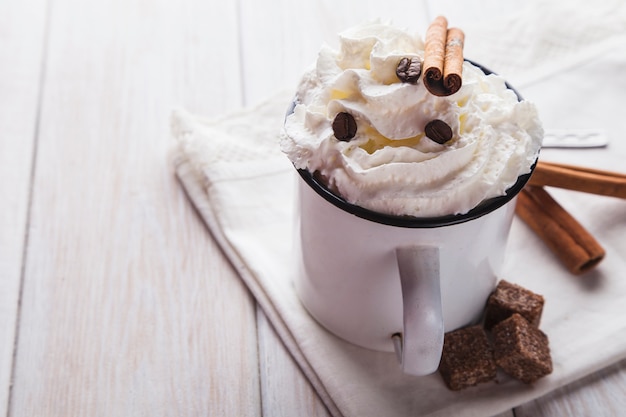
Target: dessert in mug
x=366 y=124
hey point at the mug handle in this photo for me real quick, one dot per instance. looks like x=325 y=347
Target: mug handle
x=420 y=344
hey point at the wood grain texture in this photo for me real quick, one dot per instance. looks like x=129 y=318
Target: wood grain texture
x=602 y=394
x=284 y=389
x=128 y=306
x=291 y=33
x=21 y=52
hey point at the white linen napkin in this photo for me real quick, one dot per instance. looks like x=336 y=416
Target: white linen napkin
x=236 y=176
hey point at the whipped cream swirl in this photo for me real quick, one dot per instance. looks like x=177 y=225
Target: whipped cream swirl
x=391 y=166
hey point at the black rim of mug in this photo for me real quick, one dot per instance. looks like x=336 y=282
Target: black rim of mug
x=482 y=209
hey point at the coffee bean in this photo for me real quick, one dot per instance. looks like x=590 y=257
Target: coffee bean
x=344 y=126
x=438 y=131
x=409 y=70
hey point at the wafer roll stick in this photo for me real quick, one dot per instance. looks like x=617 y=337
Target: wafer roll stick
x=435 y=52
x=453 y=63
x=443 y=58
x=575 y=247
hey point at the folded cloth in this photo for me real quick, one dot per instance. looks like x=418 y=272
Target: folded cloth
x=234 y=173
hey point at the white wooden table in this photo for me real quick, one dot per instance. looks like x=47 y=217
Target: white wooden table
x=114 y=299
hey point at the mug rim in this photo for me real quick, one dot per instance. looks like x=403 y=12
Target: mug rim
x=407 y=221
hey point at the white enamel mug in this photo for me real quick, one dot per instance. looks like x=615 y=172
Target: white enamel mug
x=393 y=283
x=397 y=284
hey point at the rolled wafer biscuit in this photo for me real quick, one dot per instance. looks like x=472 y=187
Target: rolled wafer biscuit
x=443 y=58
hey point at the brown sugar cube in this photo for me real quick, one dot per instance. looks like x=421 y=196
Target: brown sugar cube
x=521 y=350
x=508 y=299
x=467 y=358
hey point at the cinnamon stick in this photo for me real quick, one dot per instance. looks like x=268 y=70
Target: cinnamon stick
x=576 y=248
x=443 y=58
x=578 y=178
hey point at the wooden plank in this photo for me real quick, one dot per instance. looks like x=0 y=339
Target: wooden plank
x=22 y=26
x=129 y=308
x=291 y=33
x=602 y=394
x=285 y=390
